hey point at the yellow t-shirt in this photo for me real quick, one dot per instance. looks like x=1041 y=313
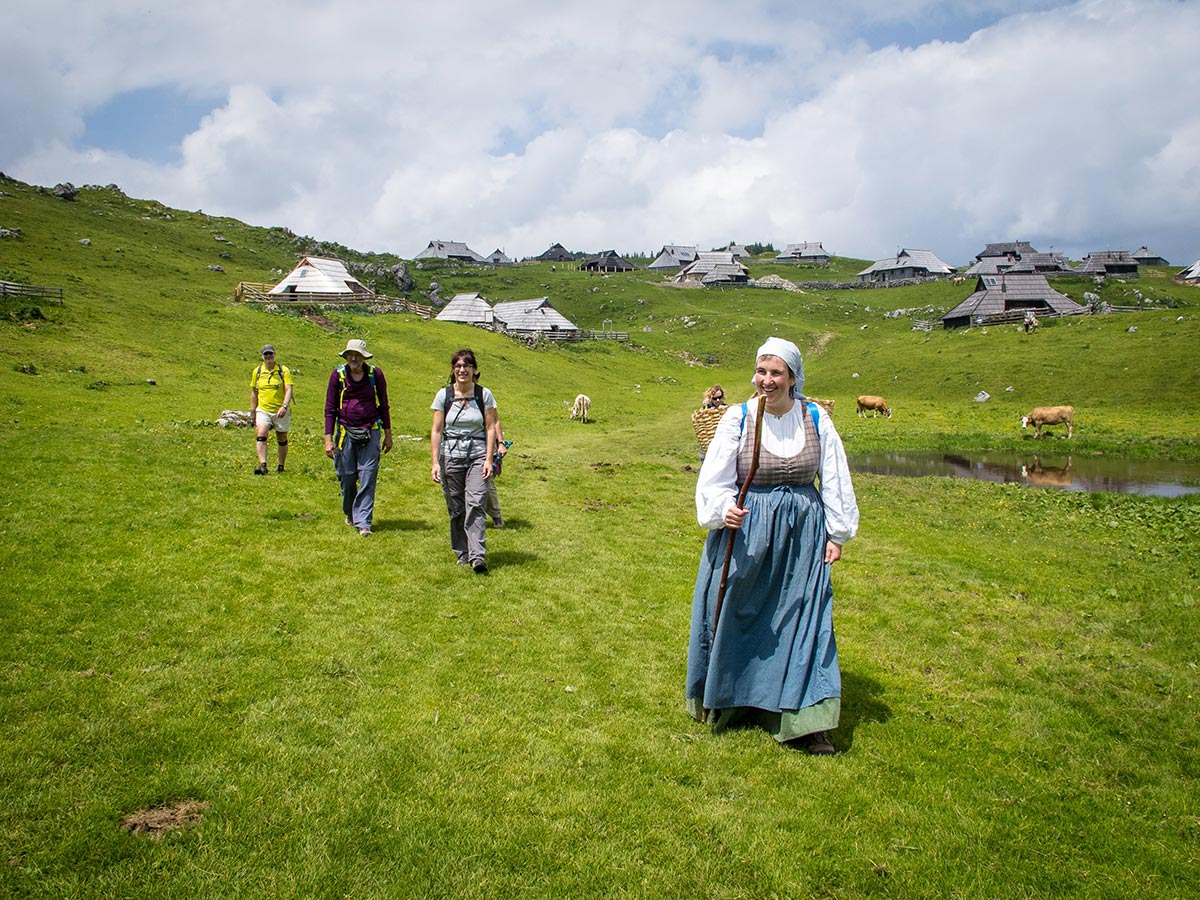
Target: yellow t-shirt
x=271 y=384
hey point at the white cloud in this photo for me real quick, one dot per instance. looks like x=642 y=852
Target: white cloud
x=384 y=126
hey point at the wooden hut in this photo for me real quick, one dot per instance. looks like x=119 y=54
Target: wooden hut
x=1003 y=297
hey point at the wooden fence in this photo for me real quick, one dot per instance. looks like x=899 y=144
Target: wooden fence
x=1017 y=316
x=584 y=335
x=12 y=289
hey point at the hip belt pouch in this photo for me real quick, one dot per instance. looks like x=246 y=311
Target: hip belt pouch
x=359 y=434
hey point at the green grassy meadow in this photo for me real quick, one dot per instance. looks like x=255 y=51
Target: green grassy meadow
x=364 y=718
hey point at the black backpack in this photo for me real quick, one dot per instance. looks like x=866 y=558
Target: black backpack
x=449 y=399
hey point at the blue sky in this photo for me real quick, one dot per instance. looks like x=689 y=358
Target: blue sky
x=868 y=126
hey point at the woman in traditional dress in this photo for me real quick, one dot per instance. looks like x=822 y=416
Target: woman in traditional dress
x=772 y=658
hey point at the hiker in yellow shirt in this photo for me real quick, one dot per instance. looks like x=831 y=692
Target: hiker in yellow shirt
x=271 y=402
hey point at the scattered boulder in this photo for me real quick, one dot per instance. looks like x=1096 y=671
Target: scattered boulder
x=778 y=283
x=236 y=418
x=401 y=277
x=87 y=242
x=215 y=268
x=65 y=191
x=386 y=279
x=10 y=232
x=982 y=397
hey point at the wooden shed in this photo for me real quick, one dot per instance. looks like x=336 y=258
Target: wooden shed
x=1003 y=297
x=607 y=261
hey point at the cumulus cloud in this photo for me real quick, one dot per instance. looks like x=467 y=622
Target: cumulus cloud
x=515 y=127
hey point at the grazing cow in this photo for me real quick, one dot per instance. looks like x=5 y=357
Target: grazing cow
x=580 y=408
x=876 y=405
x=1050 y=415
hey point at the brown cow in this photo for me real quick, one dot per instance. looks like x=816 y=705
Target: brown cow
x=877 y=405
x=1050 y=415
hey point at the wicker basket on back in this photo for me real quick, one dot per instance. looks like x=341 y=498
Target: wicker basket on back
x=705 y=421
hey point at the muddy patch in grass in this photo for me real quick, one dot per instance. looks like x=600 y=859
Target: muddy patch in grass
x=320 y=321
x=156 y=821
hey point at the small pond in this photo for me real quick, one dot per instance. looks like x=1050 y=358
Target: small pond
x=1120 y=476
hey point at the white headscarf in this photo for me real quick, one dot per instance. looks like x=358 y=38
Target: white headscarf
x=790 y=354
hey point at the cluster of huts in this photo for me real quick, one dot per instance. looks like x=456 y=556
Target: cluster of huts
x=535 y=316
x=1012 y=279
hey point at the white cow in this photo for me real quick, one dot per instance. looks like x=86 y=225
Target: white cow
x=579 y=410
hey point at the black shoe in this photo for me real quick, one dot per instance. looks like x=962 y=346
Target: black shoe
x=279 y=468
x=260 y=469
x=480 y=567
x=818 y=744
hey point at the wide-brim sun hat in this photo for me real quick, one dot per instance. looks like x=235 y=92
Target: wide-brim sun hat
x=354 y=345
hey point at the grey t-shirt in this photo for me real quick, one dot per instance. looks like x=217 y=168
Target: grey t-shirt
x=464 y=436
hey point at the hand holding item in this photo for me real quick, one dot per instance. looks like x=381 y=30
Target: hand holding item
x=734 y=516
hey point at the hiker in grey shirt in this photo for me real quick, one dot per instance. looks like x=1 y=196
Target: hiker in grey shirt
x=462 y=443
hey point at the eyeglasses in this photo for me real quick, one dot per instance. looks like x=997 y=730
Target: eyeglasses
x=268 y=354
x=463 y=366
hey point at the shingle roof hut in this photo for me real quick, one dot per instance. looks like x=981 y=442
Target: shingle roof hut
x=449 y=250
x=905 y=265
x=673 y=257
x=498 y=258
x=607 y=261
x=1108 y=262
x=556 y=253
x=999 y=257
x=715 y=268
x=997 y=294
x=319 y=275
x=805 y=252
x=469 y=308
x=531 y=315
x=1041 y=263
x=1145 y=258
x=1190 y=275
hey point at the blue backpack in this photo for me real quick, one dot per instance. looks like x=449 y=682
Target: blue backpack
x=812 y=411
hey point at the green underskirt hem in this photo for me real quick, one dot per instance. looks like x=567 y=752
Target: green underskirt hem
x=785 y=725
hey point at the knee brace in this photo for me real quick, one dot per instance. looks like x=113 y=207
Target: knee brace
x=281 y=442
x=261 y=439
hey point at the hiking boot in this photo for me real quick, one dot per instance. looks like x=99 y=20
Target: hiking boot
x=260 y=469
x=479 y=567
x=365 y=532
x=497 y=523
x=279 y=468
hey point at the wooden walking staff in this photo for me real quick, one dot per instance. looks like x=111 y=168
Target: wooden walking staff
x=758 y=420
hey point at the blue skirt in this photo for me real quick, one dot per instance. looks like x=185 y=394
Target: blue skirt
x=774 y=649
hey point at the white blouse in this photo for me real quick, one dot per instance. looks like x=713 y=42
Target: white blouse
x=717 y=488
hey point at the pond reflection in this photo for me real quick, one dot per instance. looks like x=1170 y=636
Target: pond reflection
x=1121 y=476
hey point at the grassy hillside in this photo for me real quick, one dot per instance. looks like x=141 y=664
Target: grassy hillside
x=364 y=718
